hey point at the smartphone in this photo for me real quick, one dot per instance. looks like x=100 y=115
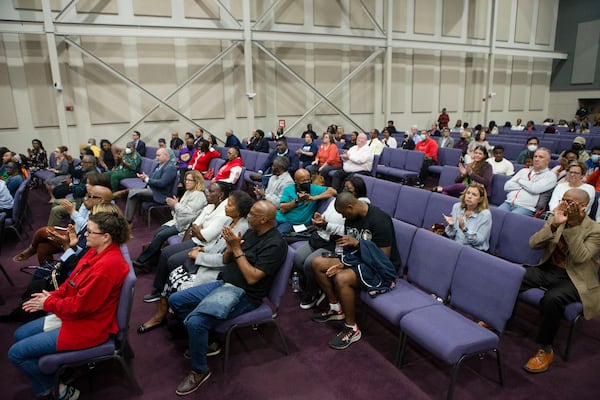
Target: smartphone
x=334 y=238
x=329 y=254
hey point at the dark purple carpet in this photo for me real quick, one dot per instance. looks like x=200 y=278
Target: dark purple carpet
x=259 y=370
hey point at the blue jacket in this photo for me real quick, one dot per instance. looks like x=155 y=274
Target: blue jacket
x=161 y=182
x=374 y=269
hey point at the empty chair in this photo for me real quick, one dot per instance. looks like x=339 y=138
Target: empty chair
x=411 y=205
x=15 y=221
x=448 y=175
x=384 y=194
x=151 y=152
x=147 y=165
x=484 y=287
x=447 y=156
x=498 y=194
x=513 y=241
x=150 y=206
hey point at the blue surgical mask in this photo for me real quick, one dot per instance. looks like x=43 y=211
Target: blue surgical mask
x=595 y=158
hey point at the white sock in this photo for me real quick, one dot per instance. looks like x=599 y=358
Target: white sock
x=335 y=307
x=354 y=327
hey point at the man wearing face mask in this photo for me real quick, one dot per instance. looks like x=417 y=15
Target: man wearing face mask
x=593 y=163
x=127 y=162
x=299 y=202
x=578 y=146
x=532 y=145
x=91 y=144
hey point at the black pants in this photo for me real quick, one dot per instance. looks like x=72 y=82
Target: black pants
x=560 y=292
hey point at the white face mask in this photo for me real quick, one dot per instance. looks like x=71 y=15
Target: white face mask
x=532 y=147
x=128 y=151
x=89 y=144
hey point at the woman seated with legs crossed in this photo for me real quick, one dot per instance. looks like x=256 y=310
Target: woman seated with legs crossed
x=479 y=171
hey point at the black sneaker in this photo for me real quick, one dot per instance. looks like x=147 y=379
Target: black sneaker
x=70 y=393
x=345 y=338
x=310 y=300
x=192 y=382
x=328 y=315
x=152 y=297
x=214 y=349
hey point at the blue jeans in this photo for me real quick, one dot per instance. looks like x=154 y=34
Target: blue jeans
x=284 y=227
x=160 y=236
x=506 y=206
x=198 y=325
x=31 y=343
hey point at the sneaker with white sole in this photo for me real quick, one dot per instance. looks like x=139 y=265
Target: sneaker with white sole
x=311 y=300
x=152 y=297
x=328 y=315
x=345 y=338
x=70 y=393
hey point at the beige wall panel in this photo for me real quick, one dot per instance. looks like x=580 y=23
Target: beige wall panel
x=207 y=9
x=424 y=17
x=451 y=80
x=152 y=8
x=362 y=86
x=328 y=13
x=328 y=72
x=35 y=4
x=400 y=84
x=518 y=83
x=499 y=84
x=399 y=24
x=524 y=18
x=452 y=18
x=544 y=23
x=108 y=49
x=108 y=101
x=422 y=85
x=256 y=8
x=474 y=83
x=478 y=27
x=290 y=93
x=207 y=91
x=504 y=21
x=97 y=6
x=540 y=81
x=290 y=12
x=42 y=96
x=358 y=17
x=8 y=115
x=241 y=101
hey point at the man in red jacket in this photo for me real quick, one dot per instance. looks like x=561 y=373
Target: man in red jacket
x=430 y=147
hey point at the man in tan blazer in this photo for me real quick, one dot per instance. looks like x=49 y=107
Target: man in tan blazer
x=568 y=270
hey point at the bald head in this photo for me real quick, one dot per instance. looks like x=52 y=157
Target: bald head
x=103 y=192
x=301 y=176
x=261 y=217
x=344 y=200
x=580 y=195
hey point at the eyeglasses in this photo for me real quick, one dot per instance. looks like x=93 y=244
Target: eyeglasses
x=88 y=232
x=91 y=196
x=574 y=173
x=568 y=201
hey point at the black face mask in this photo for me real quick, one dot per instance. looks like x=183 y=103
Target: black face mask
x=303 y=187
x=576 y=147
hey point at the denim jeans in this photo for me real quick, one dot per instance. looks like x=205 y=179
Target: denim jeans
x=506 y=206
x=199 y=325
x=160 y=236
x=31 y=343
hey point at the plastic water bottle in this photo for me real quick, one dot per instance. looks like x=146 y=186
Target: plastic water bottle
x=296 y=282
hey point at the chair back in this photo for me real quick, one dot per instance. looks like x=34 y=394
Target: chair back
x=414 y=160
x=448 y=175
x=404 y=234
x=280 y=280
x=411 y=205
x=513 y=241
x=125 y=303
x=437 y=205
x=498 y=193
x=485 y=286
x=384 y=195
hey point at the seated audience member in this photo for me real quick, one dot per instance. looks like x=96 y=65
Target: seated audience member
x=199 y=162
x=529 y=126
x=231 y=171
x=388 y=140
x=281 y=150
x=407 y=143
x=176 y=143
x=37 y=158
x=91 y=145
x=184 y=211
x=327 y=159
x=330 y=226
x=338 y=134
x=470 y=222
x=479 y=171
x=60 y=168
x=434 y=131
x=359 y=159
x=526 y=187
x=446 y=140
x=198 y=136
x=500 y=165
x=185 y=155
x=364 y=223
x=299 y=201
x=204 y=231
x=575 y=174
x=518 y=126
x=258 y=142
x=309 y=130
x=13 y=177
x=75 y=183
x=232 y=140
x=480 y=140
x=83 y=308
x=127 y=162
x=458 y=126
x=6 y=200
x=390 y=127
x=414 y=134
x=463 y=142
x=568 y=270
x=578 y=146
x=530 y=148
x=568 y=157
x=348 y=143
x=492 y=128
x=593 y=163
x=47 y=240
x=159 y=185
x=204 y=263
x=428 y=146
x=374 y=142
x=251 y=262
x=584 y=127
x=307 y=153
x=106 y=161
x=138 y=144
x=162 y=144
x=280 y=180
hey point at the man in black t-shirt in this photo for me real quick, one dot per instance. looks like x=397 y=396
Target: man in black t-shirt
x=363 y=222
x=251 y=261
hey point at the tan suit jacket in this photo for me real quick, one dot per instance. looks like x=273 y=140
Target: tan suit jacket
x=583 y=258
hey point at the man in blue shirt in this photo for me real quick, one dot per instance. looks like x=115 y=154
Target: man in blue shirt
x=232 y=140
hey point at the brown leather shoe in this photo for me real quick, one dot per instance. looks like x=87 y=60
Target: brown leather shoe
x=192 y=382
x=540 y=362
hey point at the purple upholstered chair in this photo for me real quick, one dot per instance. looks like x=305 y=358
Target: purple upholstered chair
x=150 y=206
x=265 y=313
x=115 y=348
x=437 y=205
x=498 y=192
x=484 y=287
x=513 y=241
x=2 y=218
x=19 y=214
x=147 y=165
x=384 y=195
x=411 y=205
x=498 y=216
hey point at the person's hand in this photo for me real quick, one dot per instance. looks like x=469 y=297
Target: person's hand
x=347 y=241
x=196 y=230
x=461 y=222
x=449 y=219
x=142 y=176
x=299 y=152
x=333 y=270
x=234 y=242
x=72 y=235
x=259 y=192
x=303 y=196
x=193 y=254
x=462 y=169
x=36 y=302
x=314 y=162
x=172 y=201
x=255 y=176
x=67 y=205
x=318 y=220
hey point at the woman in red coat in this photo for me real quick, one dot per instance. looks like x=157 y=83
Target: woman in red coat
x=83 y=309
x=202 y=157
x=232 y=169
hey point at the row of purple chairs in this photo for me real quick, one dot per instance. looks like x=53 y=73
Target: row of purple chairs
x=400 y=164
